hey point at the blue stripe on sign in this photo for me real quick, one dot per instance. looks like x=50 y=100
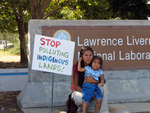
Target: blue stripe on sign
x=12 y=74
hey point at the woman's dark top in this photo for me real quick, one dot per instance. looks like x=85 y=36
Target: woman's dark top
x=80 y=75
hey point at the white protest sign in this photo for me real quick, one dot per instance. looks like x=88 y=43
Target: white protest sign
x=53 y=55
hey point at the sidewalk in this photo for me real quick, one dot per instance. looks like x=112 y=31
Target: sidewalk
x=139 y=107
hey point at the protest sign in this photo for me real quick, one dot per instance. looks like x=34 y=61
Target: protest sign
x=53 y=55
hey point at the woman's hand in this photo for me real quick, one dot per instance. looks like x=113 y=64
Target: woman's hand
x=90 y=79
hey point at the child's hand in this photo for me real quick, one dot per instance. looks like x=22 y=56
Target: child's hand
x=102 y=84
x=93 y=95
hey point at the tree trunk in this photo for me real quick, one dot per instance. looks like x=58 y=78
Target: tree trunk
x=23 y=50
x=38 y=8
x=21 y=31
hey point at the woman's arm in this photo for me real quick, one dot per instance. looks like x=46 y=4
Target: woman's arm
x=79 y=66
x=75 y=82
x=90 y=79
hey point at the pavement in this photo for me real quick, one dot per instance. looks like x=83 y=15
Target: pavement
x=138 y=107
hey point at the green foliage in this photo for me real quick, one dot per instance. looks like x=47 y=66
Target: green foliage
x=80 y=9
x=7 y=19
x=8 y=12
x=16 y=49
x=10 y=37
x=129 y=9
x=92 y=9
x=70 y=14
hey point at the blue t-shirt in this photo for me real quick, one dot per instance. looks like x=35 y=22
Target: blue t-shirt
x=94 y=73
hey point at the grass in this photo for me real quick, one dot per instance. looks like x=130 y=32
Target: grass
x=8 y=61
x=5 y=56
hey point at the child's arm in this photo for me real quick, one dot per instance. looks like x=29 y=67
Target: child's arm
x=79 y=66
x=102 y=80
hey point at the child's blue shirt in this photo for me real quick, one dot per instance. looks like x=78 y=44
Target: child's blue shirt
x=94 y=73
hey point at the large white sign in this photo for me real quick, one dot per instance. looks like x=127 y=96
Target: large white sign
x=53 y=55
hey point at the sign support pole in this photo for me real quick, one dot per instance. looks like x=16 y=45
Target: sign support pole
x=53 y=74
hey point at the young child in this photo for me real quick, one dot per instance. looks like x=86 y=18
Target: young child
x=89 y=89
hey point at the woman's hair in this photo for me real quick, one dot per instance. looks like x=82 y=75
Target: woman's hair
x=100 y=59
x=85 y=48
x=81 y=74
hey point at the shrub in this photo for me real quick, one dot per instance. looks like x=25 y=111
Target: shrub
x=16 y=49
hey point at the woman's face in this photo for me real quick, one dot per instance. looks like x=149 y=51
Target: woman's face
x=87 y=57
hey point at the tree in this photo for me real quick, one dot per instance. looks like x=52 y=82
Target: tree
x=38 y=8
x=16 y=10
x=23 y=10
x=20 y=10
x=129 y=9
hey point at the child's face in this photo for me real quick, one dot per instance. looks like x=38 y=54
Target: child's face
x=96 y=64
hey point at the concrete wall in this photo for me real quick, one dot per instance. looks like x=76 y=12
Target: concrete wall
x=123 y=85
x=13 y=79
x=128 y=85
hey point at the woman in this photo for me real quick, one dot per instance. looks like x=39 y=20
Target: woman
x=78 y=78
